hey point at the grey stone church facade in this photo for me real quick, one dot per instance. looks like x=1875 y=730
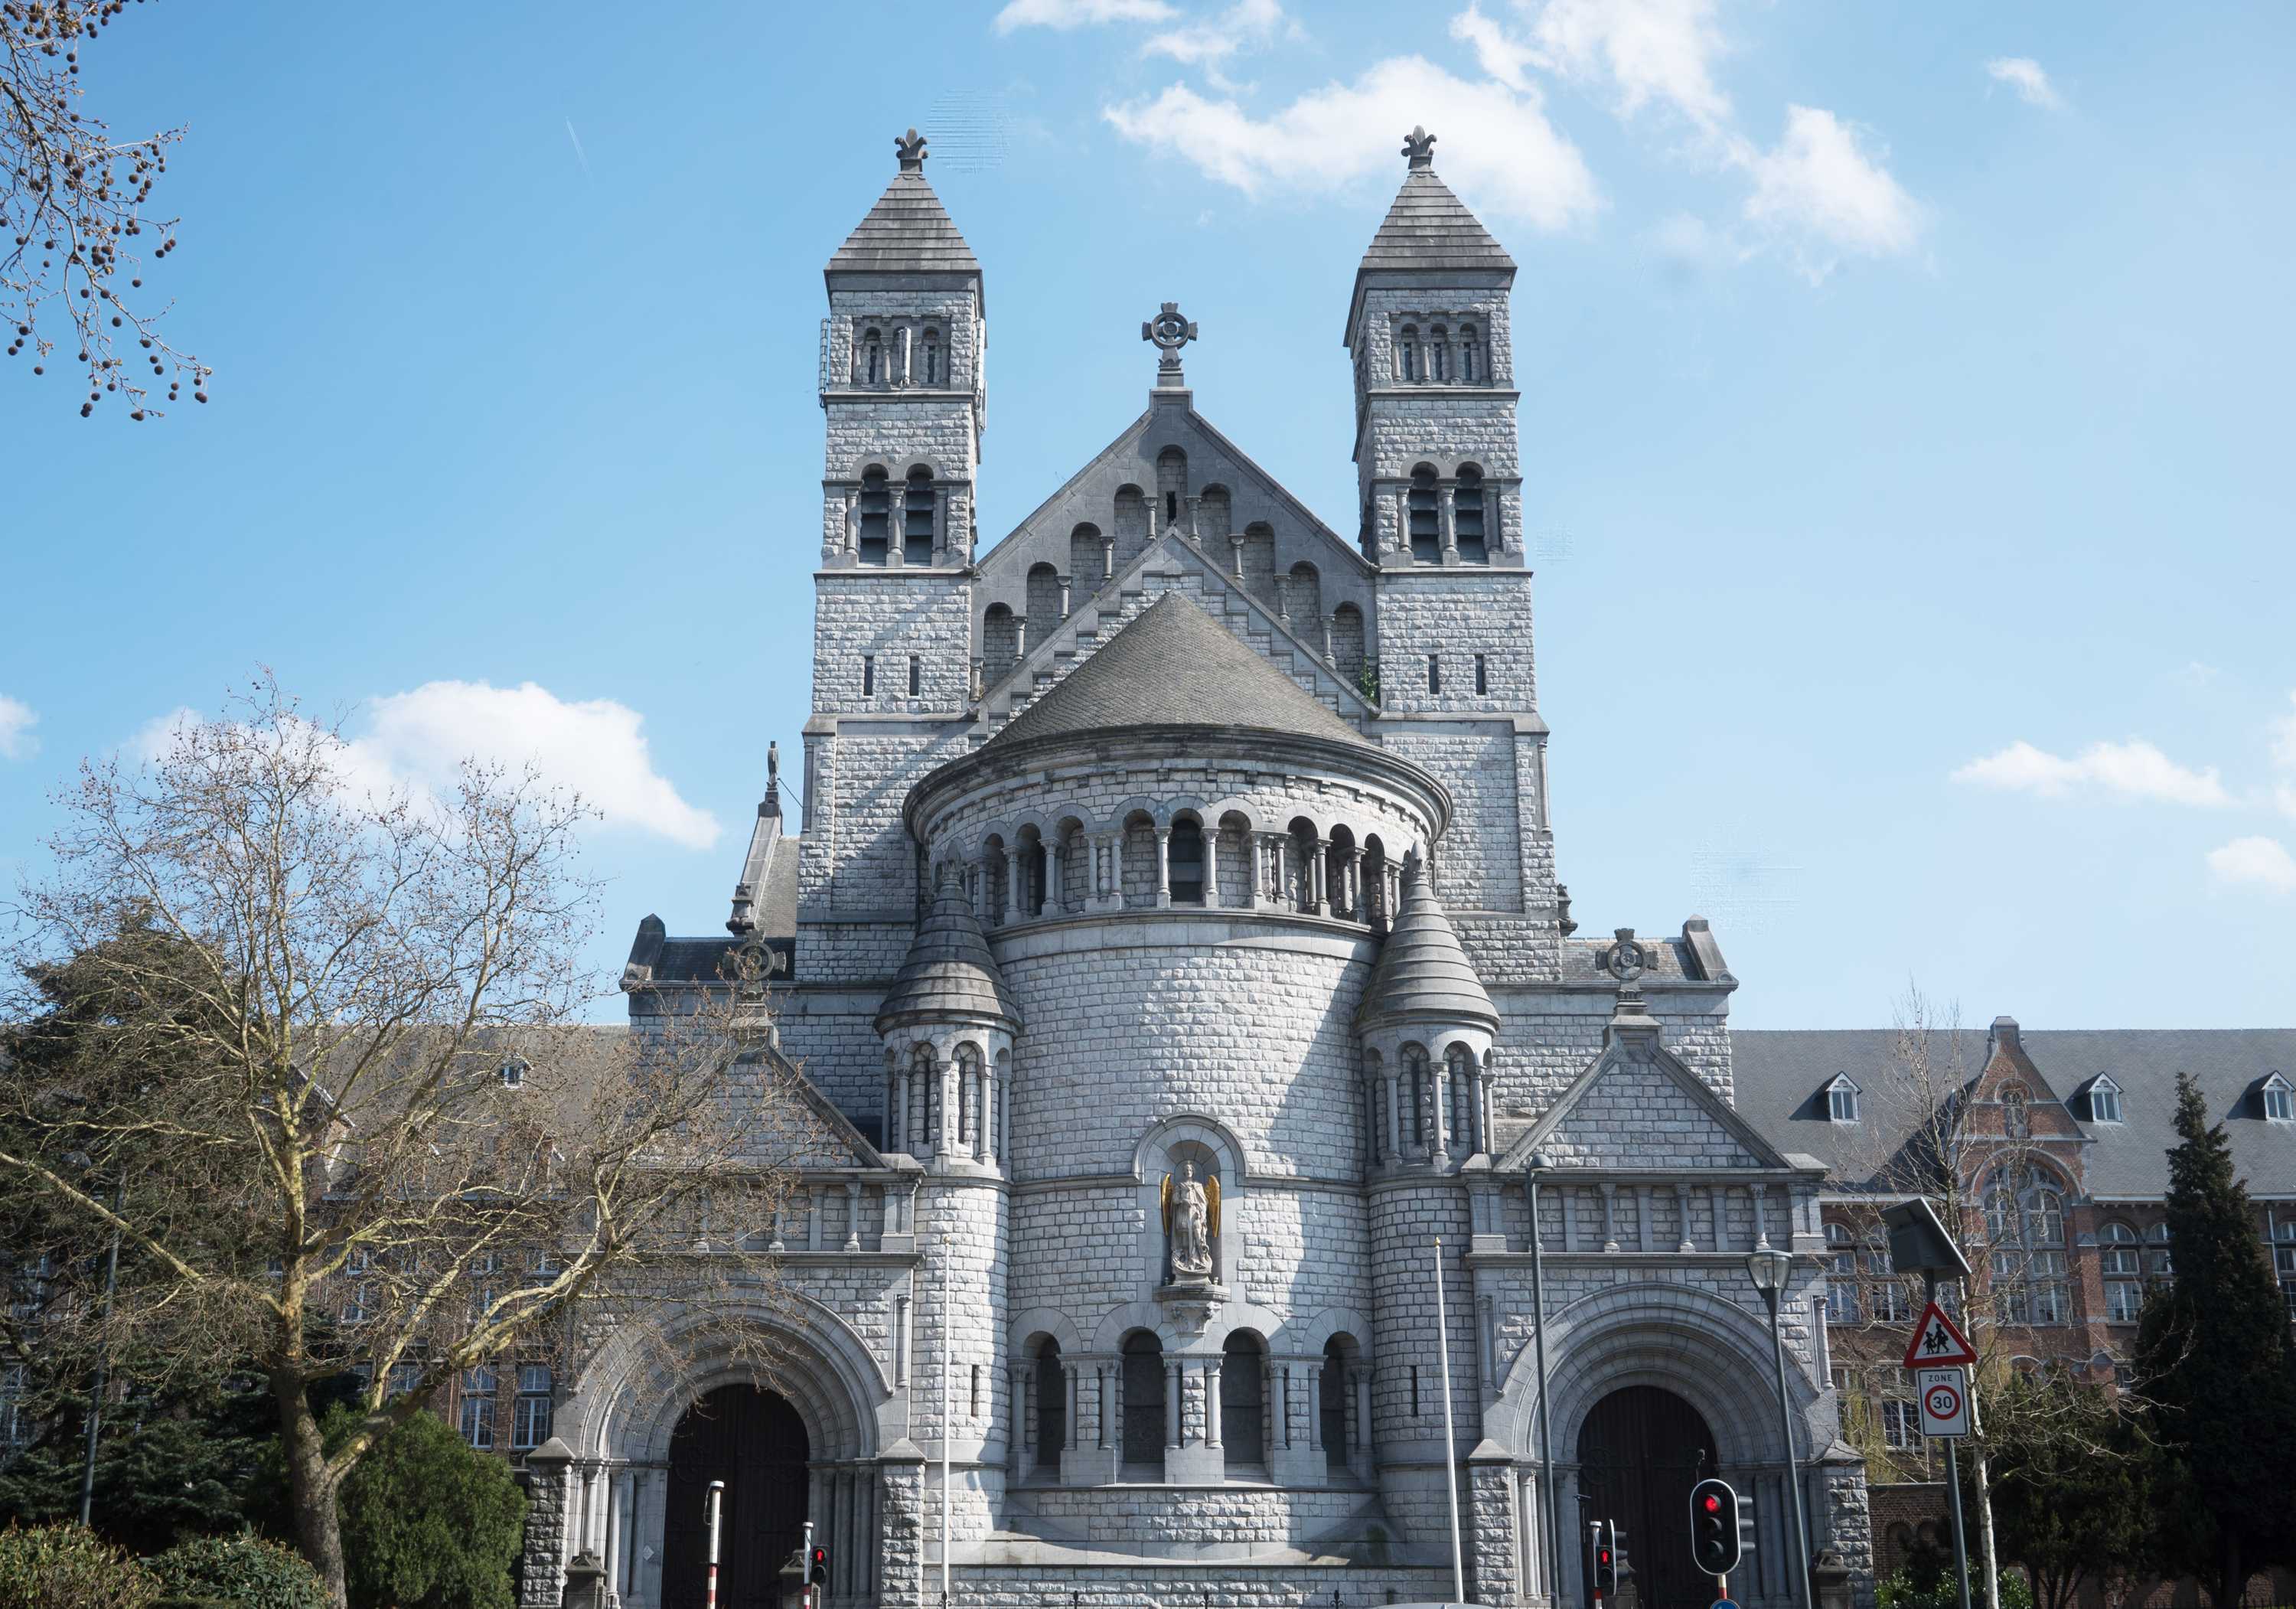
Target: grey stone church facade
x=1174 y=955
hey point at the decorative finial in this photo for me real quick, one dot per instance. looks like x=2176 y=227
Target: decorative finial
x=911 y=148
x=1627 y=959
x=1419 y=145
x=1170 y=332
x=773 y=764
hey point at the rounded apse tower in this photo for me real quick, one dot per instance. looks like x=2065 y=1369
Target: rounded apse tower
x=1182 y=863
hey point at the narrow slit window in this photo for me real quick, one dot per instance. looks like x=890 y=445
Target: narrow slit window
x=1415 y=1391
x=1434 y=673
x=916 y=676
x=1482 y=678
x=868 y=676
x=976 y=1391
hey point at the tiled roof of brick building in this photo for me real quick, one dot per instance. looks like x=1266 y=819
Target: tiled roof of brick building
x=1779 y=1077
x=1173 y=665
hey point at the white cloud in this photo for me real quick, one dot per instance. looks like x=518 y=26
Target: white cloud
x=1824 y=190
x=1207 y=44
x=1497 y=144
x=1065 y=14
x=2259 y=862
x=2135 y=769
x=17 y=719
x=1500 y=54
x=2024 y=75
x=1648 y=51
x=416 y=742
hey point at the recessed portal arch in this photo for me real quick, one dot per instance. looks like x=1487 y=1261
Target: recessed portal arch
x=754 y=1440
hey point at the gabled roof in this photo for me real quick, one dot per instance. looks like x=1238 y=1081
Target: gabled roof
x=908 y=231
x=1173 y=665
x=1424 y=972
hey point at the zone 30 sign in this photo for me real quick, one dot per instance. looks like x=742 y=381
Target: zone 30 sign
x=1944 y=1395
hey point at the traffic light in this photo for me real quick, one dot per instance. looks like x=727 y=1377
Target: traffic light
x=817 y=1568
x=1714 y=1526
x=1607 y=1564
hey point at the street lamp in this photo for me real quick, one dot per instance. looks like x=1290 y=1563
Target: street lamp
x=1539 y=1163
x=1770 y=1267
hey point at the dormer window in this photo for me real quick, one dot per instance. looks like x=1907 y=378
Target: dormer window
x=1841 y=1099
x=513 y=1073
x=2278 y=1098
x=2103 y=1100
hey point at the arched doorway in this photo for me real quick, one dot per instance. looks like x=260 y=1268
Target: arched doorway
x=1640 y=1452
x=754 y=1441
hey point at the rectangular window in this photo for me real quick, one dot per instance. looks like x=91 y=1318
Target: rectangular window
x=478 y=1408
x=976 y=1391
x=868 y=676
x=1842 y=1302
x=532 y=1426
x=1901 y=1424
x=1434 y=673
x=1483 y=681
x=405 y=1377
x=2123 y=1299
x=1892 y=1303
x=916 y=674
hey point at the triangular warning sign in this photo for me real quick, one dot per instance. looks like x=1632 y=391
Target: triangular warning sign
x=1936 y=1344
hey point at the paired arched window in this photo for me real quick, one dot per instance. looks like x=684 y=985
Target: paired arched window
x=2025 y=1221
x=1426 y=517
x=917 y=502
x=876 y=512
x=1467 y=516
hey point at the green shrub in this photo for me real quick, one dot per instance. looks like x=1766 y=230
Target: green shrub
x=1927 y=1583
x=70 y=1567
x=429 y=1524
x=243 y=1571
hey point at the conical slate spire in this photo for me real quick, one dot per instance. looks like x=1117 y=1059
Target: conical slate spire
x=949 y=973
x=1424 y=973
x=1428 y=227
x=908 y=231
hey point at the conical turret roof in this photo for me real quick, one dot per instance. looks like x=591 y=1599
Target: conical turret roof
x=908 y=231
x=1424 y=972
x=949 y=972
x=1173 y=665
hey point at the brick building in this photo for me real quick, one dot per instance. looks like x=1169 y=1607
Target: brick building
x=2061 y=1142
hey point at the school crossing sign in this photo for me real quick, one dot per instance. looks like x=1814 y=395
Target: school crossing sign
x=1937 y=1343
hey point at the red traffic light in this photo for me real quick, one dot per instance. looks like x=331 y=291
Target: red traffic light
x=1710 y=1503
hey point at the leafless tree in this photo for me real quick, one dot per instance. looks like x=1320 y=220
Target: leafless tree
x=326 y=1081
x=74 y=202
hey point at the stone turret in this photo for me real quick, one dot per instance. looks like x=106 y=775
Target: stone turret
x=1427 y=1024
x=948 y=1023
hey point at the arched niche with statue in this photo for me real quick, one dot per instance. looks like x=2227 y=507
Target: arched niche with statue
x=1191 y=1181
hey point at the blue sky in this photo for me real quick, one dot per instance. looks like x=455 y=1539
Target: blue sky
x=1902 y=390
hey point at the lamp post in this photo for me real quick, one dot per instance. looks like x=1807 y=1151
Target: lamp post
x=1552 y=1541
x=1770 y=1267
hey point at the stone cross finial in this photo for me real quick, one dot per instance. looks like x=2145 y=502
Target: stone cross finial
x=1170 y=332
x=1419 y=146
x=911 y=149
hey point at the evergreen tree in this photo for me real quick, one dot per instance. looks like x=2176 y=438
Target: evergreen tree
x=427 y=1523
x=2214 y=1359
x=2072 y=1498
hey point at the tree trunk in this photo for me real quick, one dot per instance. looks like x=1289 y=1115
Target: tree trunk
x=310 y=1491
x=1991 y=1564
x=2232 y=1580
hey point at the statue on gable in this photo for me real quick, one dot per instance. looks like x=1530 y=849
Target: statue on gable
x=1192 y=1222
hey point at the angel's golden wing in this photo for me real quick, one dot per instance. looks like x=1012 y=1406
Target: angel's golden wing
x=1211 y=1206
x=1166 y=1199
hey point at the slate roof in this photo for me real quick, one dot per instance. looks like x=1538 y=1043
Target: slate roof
x=1778 y=1073
x=1429 y=228
x=948 y=971
x=908 y=231
x=1173 y=665
x=1423 y=971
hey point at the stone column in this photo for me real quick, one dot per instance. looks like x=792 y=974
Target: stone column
x=1682 y=1215
x=1447 y=510
x=1438 y=1126
x=1212 y=1428
x=1108 y=558
x=1120 y=835
x=1323 y=876
x=1195 y=509
x=1395 y=1112
x=950 y=1140
x=813 y=1217
x=1316 y=1408
x=1363 y=1423
x=1017 y=1379
x=1012 y=884
x=1064 y=597
x=1070 y=1385
x=1281 y=845
x=1609 y=1216
x=893 y=1104
x=1106 y=1403
x=1402 y=543
x=1758 y=1199
x=1356 y=907
x=1211 y=837
x=1164 y=867
x=1235 y=550
x=941 y=525
x=541 y=1560
x=1171 y=1406
x=853 y=1215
